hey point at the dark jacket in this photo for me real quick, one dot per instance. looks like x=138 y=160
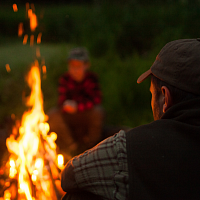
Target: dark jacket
x=164 y=156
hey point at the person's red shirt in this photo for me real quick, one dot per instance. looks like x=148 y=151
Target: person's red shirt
x=86 y=93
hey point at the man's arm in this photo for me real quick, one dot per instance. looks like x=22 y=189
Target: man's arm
x=68 y=182
x=101 y=170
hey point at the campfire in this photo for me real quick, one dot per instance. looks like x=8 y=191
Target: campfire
x=34 y=166
x=33 y=160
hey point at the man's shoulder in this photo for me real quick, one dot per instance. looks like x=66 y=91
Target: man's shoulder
x=150 y=130
x=148 y=126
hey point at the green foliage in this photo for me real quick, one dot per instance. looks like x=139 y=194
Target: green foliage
x=122 y=97
x=123 y=39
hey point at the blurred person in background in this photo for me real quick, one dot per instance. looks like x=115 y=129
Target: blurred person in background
x=79 y=103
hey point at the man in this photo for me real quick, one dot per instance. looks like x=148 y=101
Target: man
x=80 y=99
x=159 y=160
x=79 y=119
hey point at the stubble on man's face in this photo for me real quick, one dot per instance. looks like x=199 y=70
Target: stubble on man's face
x=156 y=105
x=157 y=111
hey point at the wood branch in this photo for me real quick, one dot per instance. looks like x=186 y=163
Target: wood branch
x=58 y=195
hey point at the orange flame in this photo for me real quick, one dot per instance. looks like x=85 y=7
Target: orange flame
x=33 y=20
x=60 y=161
x=33 y=160
x=20 y=29
x=8 y=68
x=44 y=69
x=25 y=39
x=15 y=9
x=7 y=195
x=39 y=38
x=34 y=146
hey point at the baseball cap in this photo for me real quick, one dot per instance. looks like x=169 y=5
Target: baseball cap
x=178 y=64
x=79 y=53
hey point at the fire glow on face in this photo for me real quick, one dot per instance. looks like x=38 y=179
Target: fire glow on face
x=33 y=161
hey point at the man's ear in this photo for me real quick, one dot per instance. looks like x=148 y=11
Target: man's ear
x=167 y=98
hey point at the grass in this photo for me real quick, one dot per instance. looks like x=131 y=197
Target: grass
x=123 y=100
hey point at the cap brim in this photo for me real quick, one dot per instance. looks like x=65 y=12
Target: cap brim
x=144 y=76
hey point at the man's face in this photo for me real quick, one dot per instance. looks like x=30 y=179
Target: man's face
x=156 y=103
x=77 y=69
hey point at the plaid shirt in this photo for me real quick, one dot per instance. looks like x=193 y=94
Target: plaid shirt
x=86 y=93
x=101 y=170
